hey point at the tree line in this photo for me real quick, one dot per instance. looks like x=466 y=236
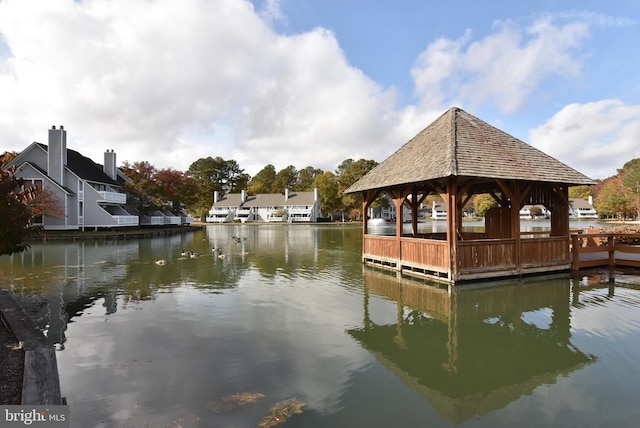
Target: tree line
x=150 y=188
x=617 y=196
x=192 y=190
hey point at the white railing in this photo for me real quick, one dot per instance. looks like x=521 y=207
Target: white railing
x=297 y=210
x=113 y=197
x=172 y=220
x=155 y=220
x=219 y=210
x=126 y=219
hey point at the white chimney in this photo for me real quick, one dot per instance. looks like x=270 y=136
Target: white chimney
x=286 y=195
x=215 y=196
x=590 y=200
x=57 y=154
x=315 y=194
x=243 y=196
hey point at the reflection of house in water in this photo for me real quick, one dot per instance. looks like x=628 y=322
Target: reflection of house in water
x=295 y=245
x=472 y=351
x=59 y=280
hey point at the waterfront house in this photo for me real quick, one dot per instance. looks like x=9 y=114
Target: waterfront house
x=438 y=211
x=582 y=208
x=289 y=206
x=529 y=212
x=91 y=195
x=387 y=211
x=456 y=157
x=225 y=207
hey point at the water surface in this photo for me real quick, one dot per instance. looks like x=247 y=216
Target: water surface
x=289 y=311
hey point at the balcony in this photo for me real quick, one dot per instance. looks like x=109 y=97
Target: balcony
x=113 y=197
x=174 y=219
x=126 y=220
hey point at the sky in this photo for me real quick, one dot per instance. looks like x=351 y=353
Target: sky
x=315 y=82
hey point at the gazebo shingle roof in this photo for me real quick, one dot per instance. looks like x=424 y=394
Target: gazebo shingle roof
x=460 y=144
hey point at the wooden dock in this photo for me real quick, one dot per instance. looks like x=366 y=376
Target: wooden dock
x=41 y=384
x=605 y=249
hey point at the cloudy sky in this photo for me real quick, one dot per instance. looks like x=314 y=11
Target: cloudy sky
x=314 y=82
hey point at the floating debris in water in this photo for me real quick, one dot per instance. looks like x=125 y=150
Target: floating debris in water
x=281 y=412
x=233 y=401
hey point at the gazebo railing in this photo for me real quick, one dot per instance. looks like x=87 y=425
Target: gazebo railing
x=474 y=258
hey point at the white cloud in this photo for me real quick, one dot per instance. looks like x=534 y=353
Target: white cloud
x=314 y=106
x=170 y=82
x=271 y=11
x=503 y=69
x=595 y=138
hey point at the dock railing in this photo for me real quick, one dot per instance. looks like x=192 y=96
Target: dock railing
x=605 y=249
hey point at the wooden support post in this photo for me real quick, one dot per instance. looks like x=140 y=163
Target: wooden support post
x=612 y=251
x=575 y=253
x=414 y=212
x=453 y=228
x=399 y=203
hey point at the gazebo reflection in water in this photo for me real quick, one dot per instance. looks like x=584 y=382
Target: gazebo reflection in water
x=472 y=350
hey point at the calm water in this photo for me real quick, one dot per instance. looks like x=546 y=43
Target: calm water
x=290 y=312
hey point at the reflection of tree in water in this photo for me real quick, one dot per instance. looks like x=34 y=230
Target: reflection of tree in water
x=472 y=351
x=299 y=251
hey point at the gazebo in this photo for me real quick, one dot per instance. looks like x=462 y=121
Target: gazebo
x=459 y=156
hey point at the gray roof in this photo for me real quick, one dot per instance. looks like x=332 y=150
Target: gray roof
x=84 y=167
x=265 y=200
x=579 y=203
x=461 y=145
x=300 y=198
x=229 y=200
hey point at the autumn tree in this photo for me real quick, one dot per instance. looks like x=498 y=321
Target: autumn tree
x=630 y=176
x=286 y=178
x=262 y=182
x=7 y=157
x=483 y=203
x=306 y=177
x=348 y=172
x=582 y=192
x=45 y=203
x=218 y=174
x=176 y=188
x=327 y=186
x=612 y=200
x=141 y=187
x=215 y=174
x=15 y=215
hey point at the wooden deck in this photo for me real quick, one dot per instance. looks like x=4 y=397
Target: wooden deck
x=475 y=259
x=604 y=249
x=490 y=258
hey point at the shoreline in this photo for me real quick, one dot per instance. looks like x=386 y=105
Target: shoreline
x=120 y=234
